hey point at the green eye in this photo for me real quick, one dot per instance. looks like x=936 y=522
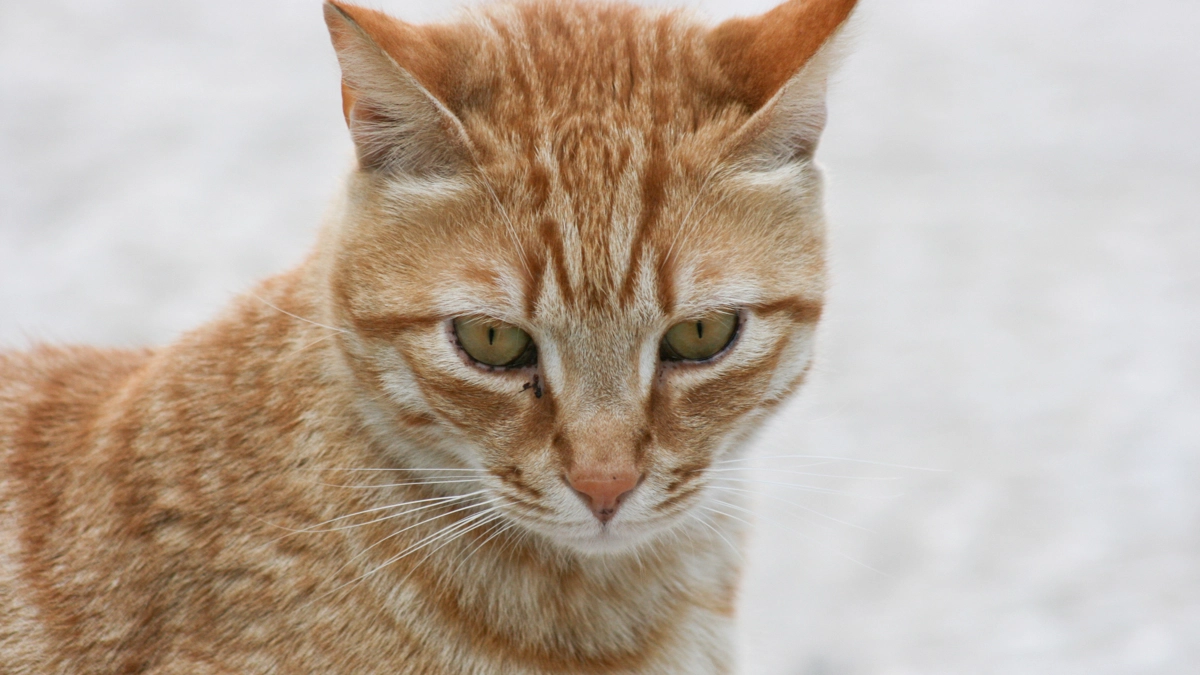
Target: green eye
x=495 y=343
x=699 y=339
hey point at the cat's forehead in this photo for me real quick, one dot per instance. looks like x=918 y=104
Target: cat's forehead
x=599 y=145
x=607 y=210
x=586 y=68
x=657 y=245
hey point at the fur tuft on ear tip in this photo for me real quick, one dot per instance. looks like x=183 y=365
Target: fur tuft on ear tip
x=331 y=9
x=339 y=21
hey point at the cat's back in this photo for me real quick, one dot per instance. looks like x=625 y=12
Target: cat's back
x=49 y=394
x=51 y=403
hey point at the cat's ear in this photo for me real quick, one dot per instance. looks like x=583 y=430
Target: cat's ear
x=776 y=64
x=391 y=76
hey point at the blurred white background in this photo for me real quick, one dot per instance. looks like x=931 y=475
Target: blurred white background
x=1015 y=190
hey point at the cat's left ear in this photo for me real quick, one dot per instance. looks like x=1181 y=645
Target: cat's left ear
x=776 y=64
x=394 y=84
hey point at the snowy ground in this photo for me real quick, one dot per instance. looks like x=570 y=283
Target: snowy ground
x=1015 y=193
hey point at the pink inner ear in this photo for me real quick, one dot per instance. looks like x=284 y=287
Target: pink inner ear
x=365 y=122
x=347 y=101
x=760 y=54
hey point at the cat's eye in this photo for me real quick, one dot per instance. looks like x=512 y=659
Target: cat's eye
x=699 y=339
x=495 y=343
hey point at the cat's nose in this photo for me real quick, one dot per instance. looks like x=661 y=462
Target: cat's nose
x=603 y=489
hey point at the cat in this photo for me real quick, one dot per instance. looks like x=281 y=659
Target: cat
x=579 y=261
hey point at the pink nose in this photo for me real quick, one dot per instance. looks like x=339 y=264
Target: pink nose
x=602 y=490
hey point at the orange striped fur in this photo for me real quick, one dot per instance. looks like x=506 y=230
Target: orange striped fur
x=591 y=173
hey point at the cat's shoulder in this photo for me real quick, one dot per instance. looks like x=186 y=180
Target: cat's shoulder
x=53 y=366
x=47 y=386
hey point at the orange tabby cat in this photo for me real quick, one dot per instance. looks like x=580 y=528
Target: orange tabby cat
x=580 y=261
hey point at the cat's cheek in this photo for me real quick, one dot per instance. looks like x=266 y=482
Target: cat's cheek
x=708 y=409
x=386 y=380
x=475 y=403
x=794 y=365
x=400 y=384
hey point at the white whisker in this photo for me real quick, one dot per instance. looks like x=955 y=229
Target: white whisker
x=793 y=504
x=832 y=459
x=420 y=543
x=495 y=517
x=394 y=485
x=375 y=469
x=831 y=549
x=735 y=506
x=805 y=488
x=314 y=528
x=294 y=316
x=705 y=523
x=508 y=223
x=449 y=533
x=727 y=515
x=303 y=348
x=500 y=527
x=444 y=502
x=798 y=473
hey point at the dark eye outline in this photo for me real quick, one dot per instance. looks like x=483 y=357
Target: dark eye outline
x=526 y=359
x=667 y=354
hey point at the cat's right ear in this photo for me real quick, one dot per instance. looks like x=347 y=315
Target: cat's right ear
x=398 y=124
x=776 y=65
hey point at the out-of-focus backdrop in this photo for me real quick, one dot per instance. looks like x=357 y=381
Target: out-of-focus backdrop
x=1015 y=190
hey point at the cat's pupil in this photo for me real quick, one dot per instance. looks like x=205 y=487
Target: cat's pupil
x=491 y=335
x=700 y=329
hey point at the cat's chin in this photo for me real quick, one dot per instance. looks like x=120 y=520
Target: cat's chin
x=604 y=544
x=606 y=540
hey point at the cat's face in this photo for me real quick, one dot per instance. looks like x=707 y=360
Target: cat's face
x=592 y=297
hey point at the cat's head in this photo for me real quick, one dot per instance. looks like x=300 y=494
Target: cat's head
x=583 y=249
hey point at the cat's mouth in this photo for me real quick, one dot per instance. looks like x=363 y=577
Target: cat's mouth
x=613 y=517
x=627 y=530
x=609 y=538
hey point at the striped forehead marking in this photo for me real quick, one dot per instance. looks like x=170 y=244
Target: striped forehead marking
x=593 y=246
